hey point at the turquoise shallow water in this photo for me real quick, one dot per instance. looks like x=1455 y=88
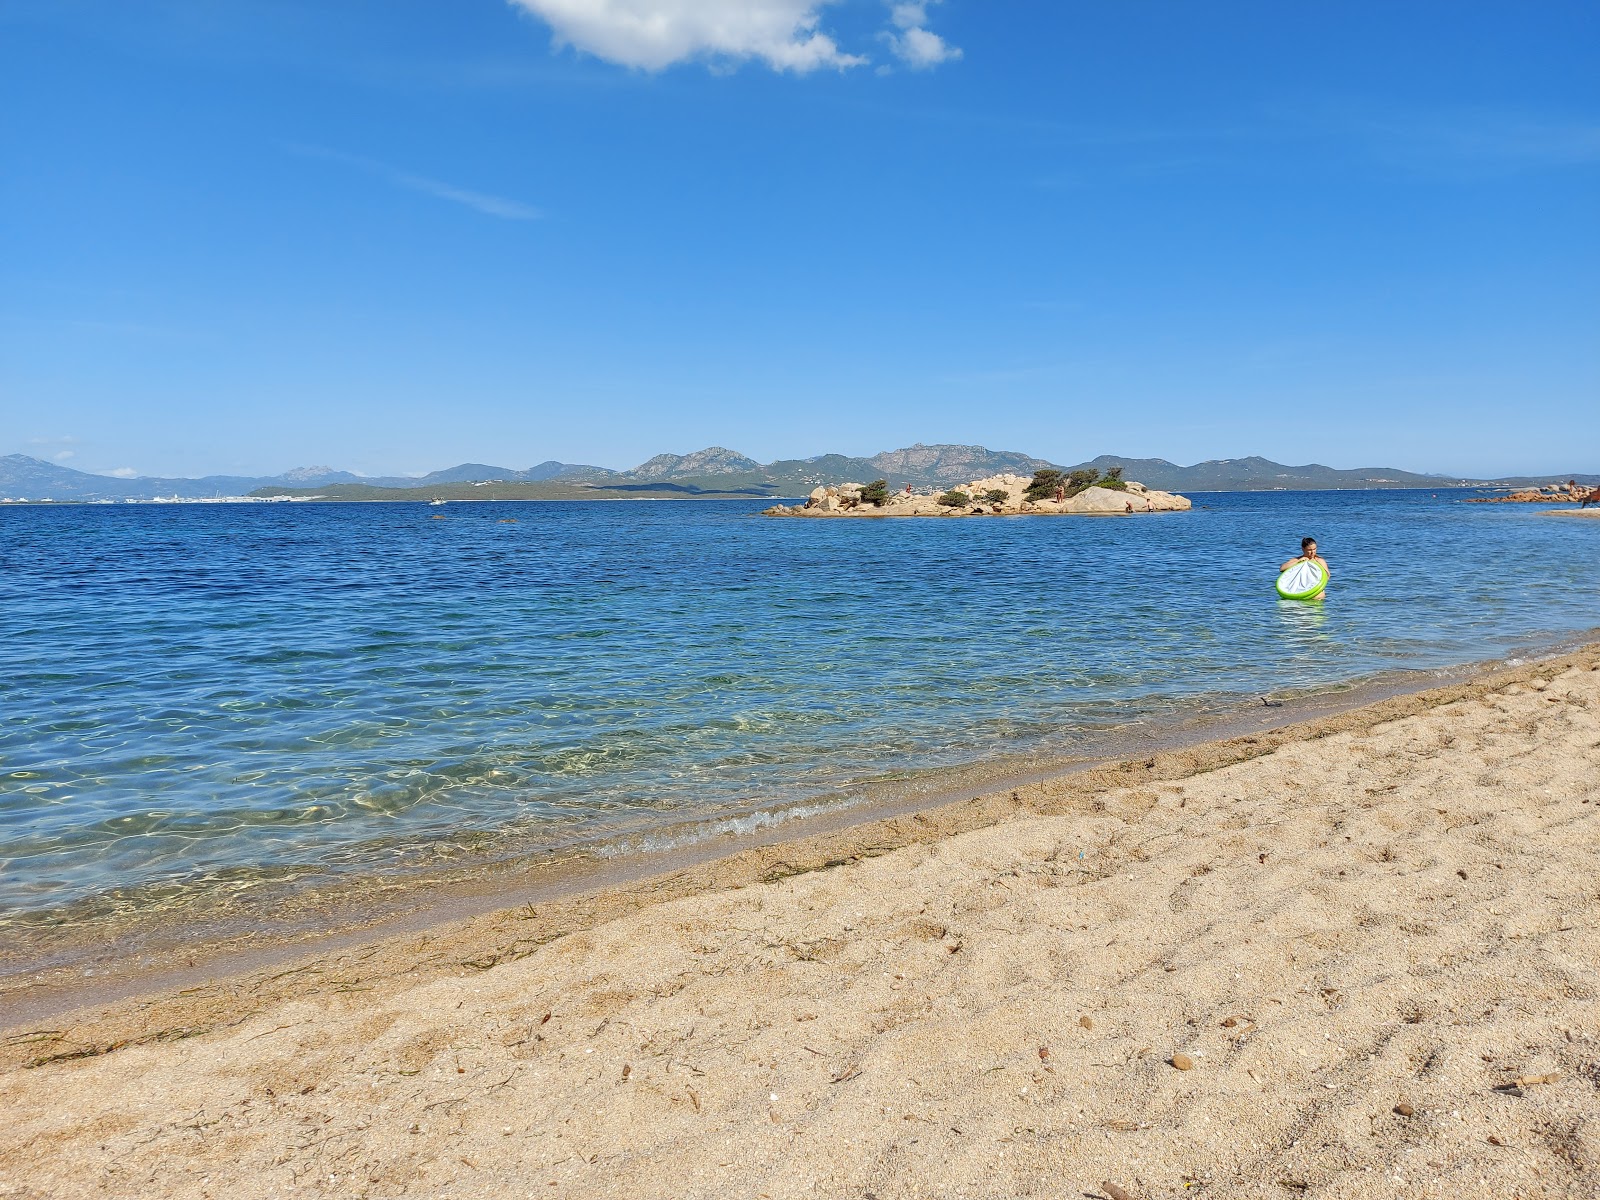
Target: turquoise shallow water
x=207 y=695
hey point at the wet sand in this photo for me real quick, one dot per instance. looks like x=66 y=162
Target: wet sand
x=148 y=945
x=1354 y=935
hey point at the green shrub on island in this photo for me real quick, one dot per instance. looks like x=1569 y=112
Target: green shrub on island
x=1079 y=480
x=1045 y=484
x=955 y=499
x=996 y=496
x=876 y=493
x=1048 y=482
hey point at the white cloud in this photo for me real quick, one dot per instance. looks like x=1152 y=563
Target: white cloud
x=914 y=44
x=122 y=473
x=653 y=34
x=63 y=455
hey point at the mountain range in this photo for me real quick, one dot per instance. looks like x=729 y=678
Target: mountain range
x=35 y=479
x=715 y=471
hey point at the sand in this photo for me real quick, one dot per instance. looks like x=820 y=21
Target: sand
x=1357 y=935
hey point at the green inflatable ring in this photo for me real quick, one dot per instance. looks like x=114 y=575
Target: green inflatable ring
x=1303 y=581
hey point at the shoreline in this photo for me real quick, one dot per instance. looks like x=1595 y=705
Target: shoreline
x=278 y=916
x=1349 y=958
x=495 y=911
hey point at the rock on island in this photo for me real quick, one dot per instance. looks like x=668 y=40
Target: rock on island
x=1550 y=493
x=1082 y=493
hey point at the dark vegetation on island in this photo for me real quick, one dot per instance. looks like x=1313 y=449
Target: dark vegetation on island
x=1049 y=483
x=875 y=493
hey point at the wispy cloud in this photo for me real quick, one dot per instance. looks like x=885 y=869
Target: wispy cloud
x=1484 y=139
x=66 y=452
x=1459 y=145
x=484 y=202
x=121 y=473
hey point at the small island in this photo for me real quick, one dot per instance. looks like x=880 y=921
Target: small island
x=1080 y=493
x=1571 y=492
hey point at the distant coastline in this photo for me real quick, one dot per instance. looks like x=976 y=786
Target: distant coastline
x=716 y=473
x=426 y=496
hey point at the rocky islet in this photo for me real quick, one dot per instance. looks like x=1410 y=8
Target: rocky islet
x=998 y=495
x=1553 y=493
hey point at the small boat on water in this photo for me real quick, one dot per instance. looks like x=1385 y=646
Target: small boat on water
x=436 y=500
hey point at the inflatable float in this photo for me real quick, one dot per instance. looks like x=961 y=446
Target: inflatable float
x=1303 y=581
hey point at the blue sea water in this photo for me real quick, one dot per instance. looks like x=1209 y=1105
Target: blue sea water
x=199 y=696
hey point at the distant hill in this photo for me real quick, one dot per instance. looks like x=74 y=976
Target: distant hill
x=480 y=473
x=310 y=476
x=1262 y=474
x=714 y=460
x=952 y=464
x=1522 y=481
x=22 y=477
x=716 y=471
x=710 y=488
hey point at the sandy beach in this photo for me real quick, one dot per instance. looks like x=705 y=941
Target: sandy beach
x=1355 y=957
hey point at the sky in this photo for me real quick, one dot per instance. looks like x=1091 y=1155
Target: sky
x=238 y=236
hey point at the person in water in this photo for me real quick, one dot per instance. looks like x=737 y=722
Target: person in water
x=1308 y=553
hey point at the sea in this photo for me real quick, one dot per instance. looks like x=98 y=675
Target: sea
x=201 y=700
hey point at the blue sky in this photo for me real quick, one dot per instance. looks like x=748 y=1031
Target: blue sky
x=392 y=235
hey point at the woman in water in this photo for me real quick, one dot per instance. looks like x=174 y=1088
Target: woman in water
x=1308 y=553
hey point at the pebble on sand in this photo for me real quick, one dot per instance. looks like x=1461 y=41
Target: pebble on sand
x=1183 y=1062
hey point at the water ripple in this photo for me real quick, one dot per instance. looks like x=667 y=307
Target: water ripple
x=217 y=695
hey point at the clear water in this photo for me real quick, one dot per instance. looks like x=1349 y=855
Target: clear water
x=198 y=695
